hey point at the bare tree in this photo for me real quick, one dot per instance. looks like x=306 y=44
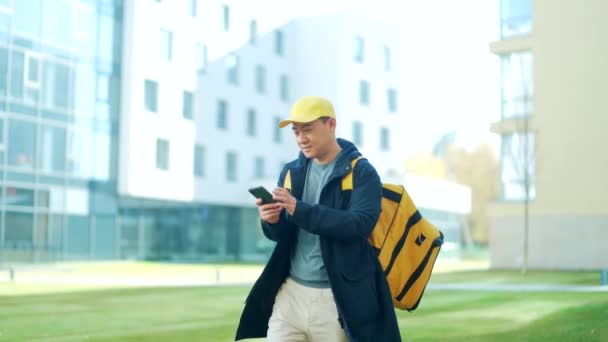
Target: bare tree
x=520 y=152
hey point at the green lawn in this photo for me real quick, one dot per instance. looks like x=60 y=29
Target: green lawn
x=211 y=314
x=515 y=277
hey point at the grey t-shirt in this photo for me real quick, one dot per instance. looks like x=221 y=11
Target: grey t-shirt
x=307 y=267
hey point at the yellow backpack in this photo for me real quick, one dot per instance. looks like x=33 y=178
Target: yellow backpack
x=407 y=244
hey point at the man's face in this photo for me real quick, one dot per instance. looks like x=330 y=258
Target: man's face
x=315 y=138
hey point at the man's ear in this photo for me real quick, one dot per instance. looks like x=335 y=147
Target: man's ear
x=332 y=124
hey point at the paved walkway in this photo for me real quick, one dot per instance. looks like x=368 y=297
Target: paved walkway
x=128 y=274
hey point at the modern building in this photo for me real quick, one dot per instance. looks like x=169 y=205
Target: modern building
x=554 y=72
x=60 y=81
x=133 y=129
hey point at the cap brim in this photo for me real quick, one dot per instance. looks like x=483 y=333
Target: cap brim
x=284 y=123
x=290 y=121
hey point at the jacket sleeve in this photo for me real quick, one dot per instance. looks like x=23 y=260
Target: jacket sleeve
x=357 y=221
x=277 y=231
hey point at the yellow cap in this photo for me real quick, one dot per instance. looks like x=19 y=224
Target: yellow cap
x=309 y=108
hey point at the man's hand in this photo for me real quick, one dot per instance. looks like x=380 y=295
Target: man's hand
x=270 y=212
x=285 y=199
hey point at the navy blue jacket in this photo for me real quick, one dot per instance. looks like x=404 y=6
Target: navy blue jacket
x=343 y=220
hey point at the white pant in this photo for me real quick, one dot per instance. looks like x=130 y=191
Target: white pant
x=302 y=313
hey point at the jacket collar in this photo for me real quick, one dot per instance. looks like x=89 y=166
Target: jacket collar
x=342 y=167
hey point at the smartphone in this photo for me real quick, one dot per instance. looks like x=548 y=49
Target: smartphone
x=261 y=192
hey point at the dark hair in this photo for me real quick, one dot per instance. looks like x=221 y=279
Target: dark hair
x=324 y=119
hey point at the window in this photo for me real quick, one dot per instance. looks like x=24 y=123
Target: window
x=387 y=58
x=187 y=104
x=19 y=229
x=3 y=71
x=364 y=93
x=515 y=17
x=32 y=71
x=231 y=167
x=199 y=160
x=278 y=42
x=193 y=7
x=226 y=10
x=31 y=78
x=384 y=139
x=54 y=81
x=518 y=166
x=251 y=122
x=284 y=88
x=17 y=73
x=277 y=136
x=151 y=95
x=166 y=44
x=260 y=79
x=517 y=85
x=259 y=167
x=21 y=144
x=253 y=31
x=391 y=97
x=232 y=65
x=52 y=149
x=201 y=57
x=222 y=114
x=358 y=133
x=19 y=197
x=162 y=154
x=103 y=87
x=359 y=49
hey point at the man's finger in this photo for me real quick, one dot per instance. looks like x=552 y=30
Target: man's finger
x=280 y=191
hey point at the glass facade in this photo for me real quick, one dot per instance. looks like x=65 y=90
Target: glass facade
x=517 y=88
x=196 y=233
x=515 y=18
x=517 y=171
x=59 y=99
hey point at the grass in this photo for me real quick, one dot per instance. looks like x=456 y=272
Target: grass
x=515 y=277
x=211 y=314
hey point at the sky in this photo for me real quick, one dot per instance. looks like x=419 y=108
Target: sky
x=449 y=80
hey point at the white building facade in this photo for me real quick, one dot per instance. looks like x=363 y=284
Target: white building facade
x=201 y=98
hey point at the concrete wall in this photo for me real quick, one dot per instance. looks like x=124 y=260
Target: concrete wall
x=569 y=216
x=555 y=242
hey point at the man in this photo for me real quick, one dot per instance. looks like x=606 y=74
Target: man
x=323 y=281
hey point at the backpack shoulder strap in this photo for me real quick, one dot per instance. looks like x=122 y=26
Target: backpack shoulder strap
x=347 y=181
x=287 y=181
